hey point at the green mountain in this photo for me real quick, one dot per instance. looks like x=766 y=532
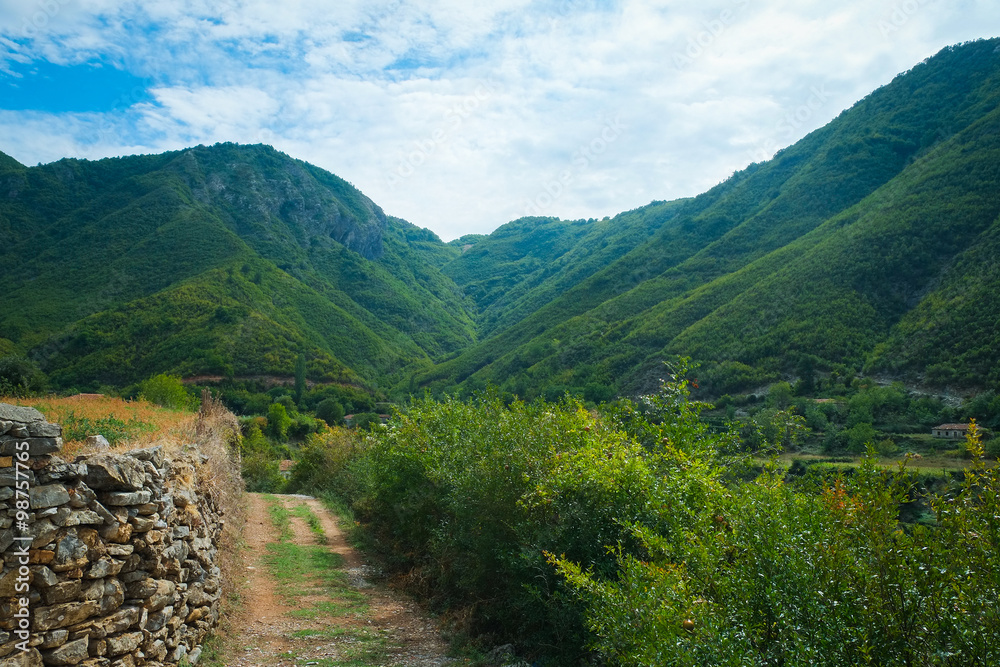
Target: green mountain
x=870 y=246
x=226 y=260
x=853 y=249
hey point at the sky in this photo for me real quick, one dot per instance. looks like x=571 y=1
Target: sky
x=461 y=116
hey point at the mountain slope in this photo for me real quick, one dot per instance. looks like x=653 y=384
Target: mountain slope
x=716 y=281
x=282 y=249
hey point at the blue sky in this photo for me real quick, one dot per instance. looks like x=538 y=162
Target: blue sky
x=461 y=116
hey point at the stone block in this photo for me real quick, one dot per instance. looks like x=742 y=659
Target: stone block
x=62 y=472
x=29 y=658
x=116 y=532
x=63 y=615
x=115 y=473
x=36 y=446
x=84 y=517
x=121 y=620
x=162 y=596
x=67 y=591
x=122 y=498
x=71 y=553
x=54 y=638
x=97 y=442
x=71 y=653
x=17 y=413
x=124 y=643
x=43 y=577
x=44 y=430
x=152 y=454
x=104 y=567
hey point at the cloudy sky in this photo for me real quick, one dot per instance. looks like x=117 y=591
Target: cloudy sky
x=460 y=116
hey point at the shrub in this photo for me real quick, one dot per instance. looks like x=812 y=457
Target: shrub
x=330 y=411
x=19 y=376
x=366 y=420
x=278 y=421
x=261 y=467
x=167 y=391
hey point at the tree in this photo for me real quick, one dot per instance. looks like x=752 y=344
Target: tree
x=300 y=377
x=167 y=391
x=19 y=376
x=366 y=420
x=278 y=421
x=330 y=411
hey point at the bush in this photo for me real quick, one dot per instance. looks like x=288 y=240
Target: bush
x=629 y=534
x=322 y=463
x=301 y=426
x=992 y=448
x=261 y=463
x=330 y=411
x=20 y=377
x=278 y=422
x=366 y=420
x=167 y=391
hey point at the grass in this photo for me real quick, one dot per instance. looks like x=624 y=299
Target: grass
x=313 y=581
x=313 y=578
x=126 y=424
x=315 y=525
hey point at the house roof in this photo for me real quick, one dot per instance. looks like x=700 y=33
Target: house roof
x=286 y=465
x=953 y=427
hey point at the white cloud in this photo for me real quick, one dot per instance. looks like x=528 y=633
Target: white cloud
x=461 y=116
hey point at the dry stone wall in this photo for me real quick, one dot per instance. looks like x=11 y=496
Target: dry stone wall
x=107 y=560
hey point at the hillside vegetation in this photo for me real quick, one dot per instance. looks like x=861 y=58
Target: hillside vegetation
x=863 y=246
x=227 y=260
x=867 y=247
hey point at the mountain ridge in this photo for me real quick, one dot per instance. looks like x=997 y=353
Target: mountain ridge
x=849 y=251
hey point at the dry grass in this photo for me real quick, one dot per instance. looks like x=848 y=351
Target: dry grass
x=170 y=428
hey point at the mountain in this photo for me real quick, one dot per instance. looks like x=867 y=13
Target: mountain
x=870 y=246
x=857 y=248
x=223 y=260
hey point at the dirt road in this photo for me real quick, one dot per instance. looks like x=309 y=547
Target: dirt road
x=307 y=600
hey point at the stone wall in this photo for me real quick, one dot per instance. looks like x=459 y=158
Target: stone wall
x=116 y=555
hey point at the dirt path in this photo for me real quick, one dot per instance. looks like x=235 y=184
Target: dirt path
x=323 y=616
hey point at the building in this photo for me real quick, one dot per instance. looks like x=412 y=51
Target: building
x=950 y=431
x=285 y=468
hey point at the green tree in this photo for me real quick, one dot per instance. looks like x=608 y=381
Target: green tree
x=300 y=376
x=366 y=420
x=859 y=435
x=278 y=421
x=19 y=376
x=167 y=391
x=330 y=411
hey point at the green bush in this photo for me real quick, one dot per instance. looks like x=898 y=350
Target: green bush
x=278 y=422
x=366 y=420
x=19 y=376
x=167 y=391
x=115 y=430
x=992 y=448
x=331 y=411
x=261 y=463
x=627 y=533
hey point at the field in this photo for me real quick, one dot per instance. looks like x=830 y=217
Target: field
x=125 y=424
